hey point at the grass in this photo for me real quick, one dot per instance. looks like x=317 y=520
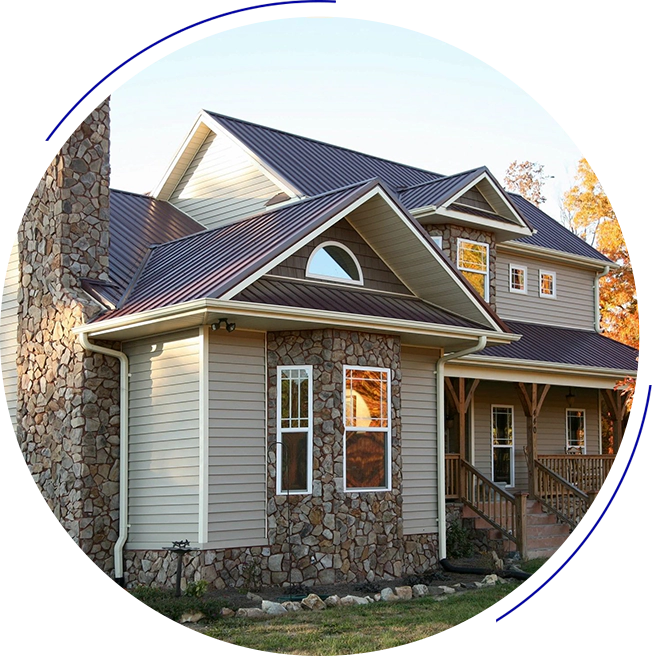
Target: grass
x=356 y=629
x=164 y=602
x=351 y=630
x=531 y=566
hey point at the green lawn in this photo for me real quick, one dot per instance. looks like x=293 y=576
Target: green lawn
x=356 y=629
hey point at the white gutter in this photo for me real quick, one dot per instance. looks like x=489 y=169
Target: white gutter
x=596 y=297
x=441 y=455
x=124 y=444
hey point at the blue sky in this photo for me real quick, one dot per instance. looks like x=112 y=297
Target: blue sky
x=368 y=86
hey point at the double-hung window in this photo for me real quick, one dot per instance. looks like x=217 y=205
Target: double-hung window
x=294 y=430
x=367 y=430
x=473 y=262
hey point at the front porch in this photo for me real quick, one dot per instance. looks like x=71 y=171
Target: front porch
x=515 y=450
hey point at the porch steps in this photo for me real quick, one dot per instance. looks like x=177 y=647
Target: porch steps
x=545 y=534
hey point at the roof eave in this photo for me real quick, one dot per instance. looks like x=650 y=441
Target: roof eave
x=594 y=263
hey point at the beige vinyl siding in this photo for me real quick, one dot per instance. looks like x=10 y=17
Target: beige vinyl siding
x=502 y=394
x=222 y=184
x=573 y=306
x=8 y=332
x=164 y=425
x=551 y=425
x=237 y=439
x=552 y=421
x=376 y=274
x=419 y=440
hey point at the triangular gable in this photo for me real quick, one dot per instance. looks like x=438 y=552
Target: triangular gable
x=235 y=159
x=221 y=263
x=469 y=198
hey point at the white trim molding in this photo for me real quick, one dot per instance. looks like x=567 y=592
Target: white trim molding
x=340 y=279
x=552 y=275
x=512 y=269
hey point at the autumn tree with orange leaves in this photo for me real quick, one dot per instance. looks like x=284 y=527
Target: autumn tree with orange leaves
x=526 y=179
x=593 y=219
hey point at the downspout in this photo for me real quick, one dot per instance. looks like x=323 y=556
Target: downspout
x=596 y=298
x=118 y=563
x=441 y=455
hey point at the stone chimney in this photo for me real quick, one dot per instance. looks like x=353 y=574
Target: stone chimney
x=68 y=400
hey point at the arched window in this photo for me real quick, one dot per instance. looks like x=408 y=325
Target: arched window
x=333 y=261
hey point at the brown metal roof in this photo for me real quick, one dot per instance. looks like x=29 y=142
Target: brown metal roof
x=209 y=263
x=331 y=298
x=584 y=348
x=314 y=166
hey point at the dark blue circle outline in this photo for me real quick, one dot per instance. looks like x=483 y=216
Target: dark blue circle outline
x=300 y=2
x=169 y=36
x=588 y=535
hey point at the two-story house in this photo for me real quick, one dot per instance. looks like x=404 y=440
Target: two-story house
x=292 y=354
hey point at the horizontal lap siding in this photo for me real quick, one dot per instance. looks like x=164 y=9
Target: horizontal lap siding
x=491 y=393
x=419 y=440
x=236 y=428
x=8 y=332
x=222 y=184
x=163 y=440
x=572 y=308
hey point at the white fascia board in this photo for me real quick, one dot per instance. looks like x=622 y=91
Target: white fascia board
x=262 y=166
x=557 y=256
x=510 y=369
x=483 y=222
x=201 y=308
x=156 y=193
x=429 y=246
x=499 y=192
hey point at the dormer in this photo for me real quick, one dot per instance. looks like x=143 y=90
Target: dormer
x=467 y=214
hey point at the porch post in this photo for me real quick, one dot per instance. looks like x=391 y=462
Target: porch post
x=531 y=403
x=461 y=399
x=617 y=408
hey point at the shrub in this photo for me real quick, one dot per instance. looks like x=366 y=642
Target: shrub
x=458 y=541
x=196 y=588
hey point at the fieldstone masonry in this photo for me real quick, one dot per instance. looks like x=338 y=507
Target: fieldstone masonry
x=68 y=400
x=451 y=233
x=332 y=537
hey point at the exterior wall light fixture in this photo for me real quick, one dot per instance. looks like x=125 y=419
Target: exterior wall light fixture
x=230 y=326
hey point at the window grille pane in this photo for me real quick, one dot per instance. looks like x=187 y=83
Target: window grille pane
x=575 y=423
x=366 y=459
x=502 y=428
x=518 y=279
x=294 y=461
x=366 y=398
x=472 y=256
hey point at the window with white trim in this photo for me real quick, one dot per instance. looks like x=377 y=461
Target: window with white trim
x=473 y=262
x=547 y=284
x=294 y=430
x=334 y=261
x=439 y=240
x=502 y=442
x=367 y=431
x=517 y=279
x=575 y=431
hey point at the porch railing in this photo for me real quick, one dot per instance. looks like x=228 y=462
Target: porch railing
x=452 y=471
x=494 y=504
x=559 y=496
x=587 y=473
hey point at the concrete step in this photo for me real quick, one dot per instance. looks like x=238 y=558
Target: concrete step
x=545 y=543
x=548 y=530
x=541 y=519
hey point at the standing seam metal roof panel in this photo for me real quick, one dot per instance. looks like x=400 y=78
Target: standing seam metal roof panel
x=315 y=167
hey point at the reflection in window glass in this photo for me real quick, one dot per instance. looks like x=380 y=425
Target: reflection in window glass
x=366 y=423
x=502 y=432
x=473 y=262
x=547 y=283
x=518 y=279
x=295 y=429
x=575 y=431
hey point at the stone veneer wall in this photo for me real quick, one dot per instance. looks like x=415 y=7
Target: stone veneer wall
x=68 y=400
x=451 y=233
x=334 y=536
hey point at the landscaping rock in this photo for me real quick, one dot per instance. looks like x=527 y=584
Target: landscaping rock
x=419 y=590
x=404 y=592
x=254 y=597
x=227 y=612
x=489 y=580
x=387 y=594
x=292 y=606
x=435 y=591
x=250 y=613
x=332 y=601
x=272 y=608
x=351 y=600
x=313 y=602
x=192 y=617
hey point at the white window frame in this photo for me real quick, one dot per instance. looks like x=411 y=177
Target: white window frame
x=512 y=446
x=345 y=281
x=568 y=445
x=375 y=429
x=439 y=240
x=514 y=267
x=279 y=431
x=461 y=241
x=545 y=272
